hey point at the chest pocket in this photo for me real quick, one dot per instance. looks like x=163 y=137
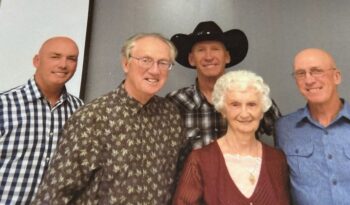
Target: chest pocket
x=301 y=162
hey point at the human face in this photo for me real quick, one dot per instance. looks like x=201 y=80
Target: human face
x=209 y=58
x=55 y=63
x=243 y=110
x=322 y=88
x=143 y=83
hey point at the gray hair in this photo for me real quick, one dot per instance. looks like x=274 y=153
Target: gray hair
x=130 y=43
x=241 y=80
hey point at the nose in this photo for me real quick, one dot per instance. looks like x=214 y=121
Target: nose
x=309 y=78
x=244 y=112
x=208 y=55
x=63 y=63
x=154 y=69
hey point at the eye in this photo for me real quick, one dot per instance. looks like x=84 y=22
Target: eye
x=235 y=104
x=146 y=60
x=73 y=59
x=55 y=57
x=316 y=71
x=252 y=104
x=164 y=62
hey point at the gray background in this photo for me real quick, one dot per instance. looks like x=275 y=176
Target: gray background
x=276 y=30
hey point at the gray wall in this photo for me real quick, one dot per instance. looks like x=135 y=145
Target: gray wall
x=276 y=30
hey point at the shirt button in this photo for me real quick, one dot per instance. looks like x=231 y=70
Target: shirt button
x=330 y=156
x=326 y=132
x=51 y=134
x=47 y=160
x=296 y=151
x=334 y=182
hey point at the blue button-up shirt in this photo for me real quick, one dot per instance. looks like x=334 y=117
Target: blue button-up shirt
x=318 y=157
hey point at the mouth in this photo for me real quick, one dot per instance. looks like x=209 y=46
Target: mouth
x=152 y=80
x=313 y=90
x=210 y=65
x=60 y=74
x=244 y=121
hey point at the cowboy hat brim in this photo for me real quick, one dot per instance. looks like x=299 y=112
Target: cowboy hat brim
x=234 y=40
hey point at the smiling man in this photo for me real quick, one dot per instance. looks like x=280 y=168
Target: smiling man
x=31 y=120
x=315 y=138
x=121 y=148
x=209 y=51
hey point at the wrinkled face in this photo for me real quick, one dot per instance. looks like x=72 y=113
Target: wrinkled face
x=320 y=87
x=243 y=110
x=140 y=82
x=209 y=58
x=56 y=62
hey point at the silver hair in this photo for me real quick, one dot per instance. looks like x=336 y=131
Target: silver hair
x=130 y=43
x=241 y=80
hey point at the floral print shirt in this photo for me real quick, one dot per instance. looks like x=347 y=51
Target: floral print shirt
x=116 y=151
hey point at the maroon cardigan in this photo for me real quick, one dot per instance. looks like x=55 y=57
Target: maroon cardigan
x=206 y=180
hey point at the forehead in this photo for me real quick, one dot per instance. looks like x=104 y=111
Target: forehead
x=151 y=46
x=208 y=43
x=312 y=59
x=240 y=95
x=60 y=46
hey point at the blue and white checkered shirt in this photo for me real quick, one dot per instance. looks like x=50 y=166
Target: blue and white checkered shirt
x=29 y=132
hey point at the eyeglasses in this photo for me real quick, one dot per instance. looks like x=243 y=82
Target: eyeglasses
x=147 y=62
x=314 y=72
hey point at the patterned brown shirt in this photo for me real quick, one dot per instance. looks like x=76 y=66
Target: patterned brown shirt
x=116 y=151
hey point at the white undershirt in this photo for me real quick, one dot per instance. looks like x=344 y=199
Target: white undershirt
x=244 y=171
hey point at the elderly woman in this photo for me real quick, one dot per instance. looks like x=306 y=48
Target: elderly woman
x=237 y=168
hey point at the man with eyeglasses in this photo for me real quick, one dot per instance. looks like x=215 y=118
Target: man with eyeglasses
x=316 y=138
x=121 y=148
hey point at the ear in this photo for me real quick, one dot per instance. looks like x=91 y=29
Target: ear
x=227 y=57
x=191 y=60
x=337 y=77
x=36 y=61
x=125 y=64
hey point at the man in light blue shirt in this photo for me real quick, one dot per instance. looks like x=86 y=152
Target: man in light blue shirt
x=316 y=138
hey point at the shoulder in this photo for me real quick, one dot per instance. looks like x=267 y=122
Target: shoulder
x=13 y=91
x=273 y=155
x=291 y=118
x=182 y=94
x=208 y=153
x=96 y=107
x=75 y=100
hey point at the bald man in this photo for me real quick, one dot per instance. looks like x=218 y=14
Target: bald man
x=316 y=138
x=31 y=119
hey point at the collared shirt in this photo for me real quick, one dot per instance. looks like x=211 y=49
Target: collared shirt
x=116 y=151
x=203 y=123
x=318 y=156
x=29 y=131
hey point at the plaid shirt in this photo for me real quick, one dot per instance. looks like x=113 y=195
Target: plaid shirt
x=29 y=131
x=203 y=123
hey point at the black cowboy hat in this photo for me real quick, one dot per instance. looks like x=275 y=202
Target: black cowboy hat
x=234 y=40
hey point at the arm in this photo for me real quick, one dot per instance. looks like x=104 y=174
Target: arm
x=190 y=186
x=72 y=166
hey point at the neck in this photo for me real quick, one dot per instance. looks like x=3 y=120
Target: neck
x=139 y=96
x=206 y=86
x=325 y=113
x=51 y=94
x=241 y=144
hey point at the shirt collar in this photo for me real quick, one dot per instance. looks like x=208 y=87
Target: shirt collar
x=344 y=112
x=33 y=90
x=131 y=101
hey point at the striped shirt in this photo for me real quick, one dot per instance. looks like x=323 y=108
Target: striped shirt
x=29 y=132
